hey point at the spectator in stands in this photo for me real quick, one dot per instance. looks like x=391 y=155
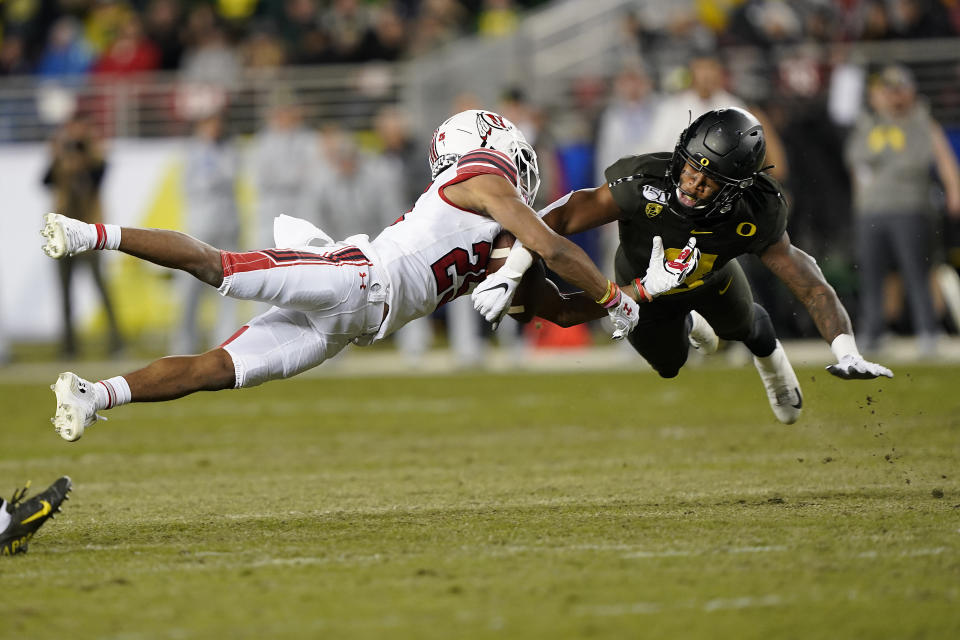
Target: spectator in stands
x=67 y=52
x=102 y=22
x=876 y=22
x=402 y=150
x=766 y=23
x=236 y=14
x=497 y=18
x=12 y=59
x=386 y=39
x=921 y=19
x=625 y=127
x=163 y=24
x=516 y=107
x=438 y=22
x=74 y=177
x=132 y=52
x=890 y=152
x=300 y=29
x=263 y=51
x=346 y=23
x=208 y=59
x=284 y=162
x=29 y=23
x=18 y=114
x=209 y=180
x=626 y=124
x=350 y=198
x=708 y=79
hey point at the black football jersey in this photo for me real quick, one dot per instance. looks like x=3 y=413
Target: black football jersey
x=641 y=187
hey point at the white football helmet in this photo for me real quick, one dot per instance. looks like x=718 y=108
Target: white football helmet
x=477 y=129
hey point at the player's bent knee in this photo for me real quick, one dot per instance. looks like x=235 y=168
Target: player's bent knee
x=215 y=370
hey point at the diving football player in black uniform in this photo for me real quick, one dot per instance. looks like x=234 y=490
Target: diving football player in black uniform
x=710 y=197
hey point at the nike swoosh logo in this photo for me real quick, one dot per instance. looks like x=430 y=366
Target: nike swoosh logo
x=700 y=233
x=502 y=285
x=44 y=510
x=799 y=404
x=726 y=286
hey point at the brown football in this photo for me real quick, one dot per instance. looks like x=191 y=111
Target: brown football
x=527 y=298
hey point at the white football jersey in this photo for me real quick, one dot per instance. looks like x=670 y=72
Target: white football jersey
x=438 y=251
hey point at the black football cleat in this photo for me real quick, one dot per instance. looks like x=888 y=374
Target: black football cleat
x=26 y=516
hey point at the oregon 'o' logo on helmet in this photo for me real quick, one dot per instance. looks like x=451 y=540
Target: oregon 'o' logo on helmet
x=705 y=162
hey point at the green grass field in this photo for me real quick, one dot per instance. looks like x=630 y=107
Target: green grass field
x=591 y=505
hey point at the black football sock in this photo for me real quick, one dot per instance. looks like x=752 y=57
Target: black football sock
x=762 y=339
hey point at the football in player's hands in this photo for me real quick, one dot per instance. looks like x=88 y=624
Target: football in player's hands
x=529 y=292
x=500 y=250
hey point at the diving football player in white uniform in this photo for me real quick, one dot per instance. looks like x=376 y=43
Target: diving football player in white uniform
x=327 y=294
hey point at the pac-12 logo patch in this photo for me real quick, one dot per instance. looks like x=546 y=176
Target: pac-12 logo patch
x=653 y=209
x=652 y=193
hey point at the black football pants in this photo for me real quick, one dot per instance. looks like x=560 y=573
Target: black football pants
x=725 y=301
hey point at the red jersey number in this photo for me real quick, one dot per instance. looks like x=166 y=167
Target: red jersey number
x=457 y=263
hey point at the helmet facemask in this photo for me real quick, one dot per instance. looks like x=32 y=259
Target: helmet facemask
x=719 y=203
x=528 y=173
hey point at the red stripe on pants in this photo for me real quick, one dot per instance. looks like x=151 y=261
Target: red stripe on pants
x=234 y=336
x=243 y=262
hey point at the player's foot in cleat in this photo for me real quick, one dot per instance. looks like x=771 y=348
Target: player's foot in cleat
x=26 y=516
x=783 y=389
x=76 y=406
x=66 y=236
x=702 y=336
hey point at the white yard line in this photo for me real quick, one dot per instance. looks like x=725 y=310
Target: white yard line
x=709 y=606
x=674 y=553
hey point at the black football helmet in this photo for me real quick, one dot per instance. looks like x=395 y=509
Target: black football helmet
x=728 y=146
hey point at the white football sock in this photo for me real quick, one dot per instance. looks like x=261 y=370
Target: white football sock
x=112 y=392
x=108 y=236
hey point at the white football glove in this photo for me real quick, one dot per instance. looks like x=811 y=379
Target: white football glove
x=854 y=367
x=624 y=314
x=492 y=296
x=663 y=275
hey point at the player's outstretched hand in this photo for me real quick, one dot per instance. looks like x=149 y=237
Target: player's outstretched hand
x=492 y=296
x=664 y=275
x=854 y=367
x=624 y=314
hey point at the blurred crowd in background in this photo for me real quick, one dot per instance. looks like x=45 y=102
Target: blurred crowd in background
x=198 y=37
x=675 y=61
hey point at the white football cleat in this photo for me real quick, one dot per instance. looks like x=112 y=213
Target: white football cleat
x=66 y=236
x=783 y=389
x=702 y=336
x=76 y=406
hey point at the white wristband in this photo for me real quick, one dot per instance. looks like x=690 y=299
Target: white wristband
x=517 y=262
x=844 y=345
